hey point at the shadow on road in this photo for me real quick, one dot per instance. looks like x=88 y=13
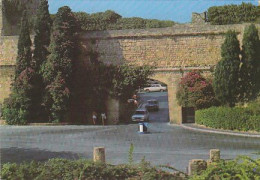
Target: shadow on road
x=19 y=155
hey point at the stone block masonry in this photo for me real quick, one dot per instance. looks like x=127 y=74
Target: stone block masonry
x=8 y=53
x=181 y=46
x=6 y=77
x=177 y=46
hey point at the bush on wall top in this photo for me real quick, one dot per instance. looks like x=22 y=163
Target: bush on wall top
x=233 y=14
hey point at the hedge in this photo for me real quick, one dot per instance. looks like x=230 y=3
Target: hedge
x=237 y=118
x=57 y=169
x=233 y=14
x=110 y=20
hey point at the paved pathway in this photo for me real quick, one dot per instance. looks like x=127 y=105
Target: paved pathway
x=166 y=144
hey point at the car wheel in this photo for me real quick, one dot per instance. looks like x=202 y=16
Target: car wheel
x=161 y=90
x=147 y=90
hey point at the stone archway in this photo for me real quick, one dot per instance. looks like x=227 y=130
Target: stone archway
x=171 y=78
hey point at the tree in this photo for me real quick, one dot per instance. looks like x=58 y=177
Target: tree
x=227 y=71
x=59 y=66
x=250 y=69
x=42 y=29
x=24 y=54
x=196 y=91
x=20 y=107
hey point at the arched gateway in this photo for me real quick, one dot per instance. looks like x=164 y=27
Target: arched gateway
x=171 y=77
x=172 y=51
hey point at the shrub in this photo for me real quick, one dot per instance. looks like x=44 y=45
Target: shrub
x=111 y=20
x=57 y=169
x=237 y=118
x=241 y=168
x=233 y=14
x=195 y=91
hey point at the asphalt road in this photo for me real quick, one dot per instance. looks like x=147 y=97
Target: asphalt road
x=165 y=144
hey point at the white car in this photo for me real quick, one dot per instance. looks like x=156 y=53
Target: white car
x=155 y=87
x=140 y=115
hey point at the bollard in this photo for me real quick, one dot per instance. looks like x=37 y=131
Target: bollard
x=214 y=155
x=142 y=127
x=196 y=166
x=99 y=154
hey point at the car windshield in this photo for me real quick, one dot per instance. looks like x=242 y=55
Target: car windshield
x=140 y=112
x=152 y=102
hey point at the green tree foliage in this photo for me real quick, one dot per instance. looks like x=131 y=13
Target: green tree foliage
x=250 y=69
x=13 y=10
x=57 y=72
x=24 y=54
x=196 y=91
x=20 y=107
x=227 y=71
x=111 y=20
x=233 y=14
x=126 y=79
x=130 y=23
x=42 y=31
x=97 y=21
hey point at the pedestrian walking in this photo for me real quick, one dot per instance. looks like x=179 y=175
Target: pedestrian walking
x=94 y=117
x=103 y=118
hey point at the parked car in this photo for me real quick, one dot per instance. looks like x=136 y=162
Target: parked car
x=152 y=105
x=141 y=115
x=155 y=87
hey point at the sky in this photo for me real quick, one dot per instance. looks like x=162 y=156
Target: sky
x=175 y=10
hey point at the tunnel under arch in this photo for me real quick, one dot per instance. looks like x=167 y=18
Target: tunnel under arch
x=171 y=79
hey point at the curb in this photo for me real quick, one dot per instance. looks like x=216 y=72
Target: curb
x=219 y=132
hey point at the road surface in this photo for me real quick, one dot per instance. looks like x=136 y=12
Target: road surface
x=165 y=144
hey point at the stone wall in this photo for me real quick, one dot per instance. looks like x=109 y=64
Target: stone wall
x=178 y=46
x=199 y=18
x=6 y=76
x=1 y=17
x=8 y=46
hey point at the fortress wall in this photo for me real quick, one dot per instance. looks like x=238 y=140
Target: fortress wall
x=8 y=46
x=6 y=77
x=178 y=46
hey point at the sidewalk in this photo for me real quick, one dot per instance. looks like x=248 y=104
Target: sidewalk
x=195 y=127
